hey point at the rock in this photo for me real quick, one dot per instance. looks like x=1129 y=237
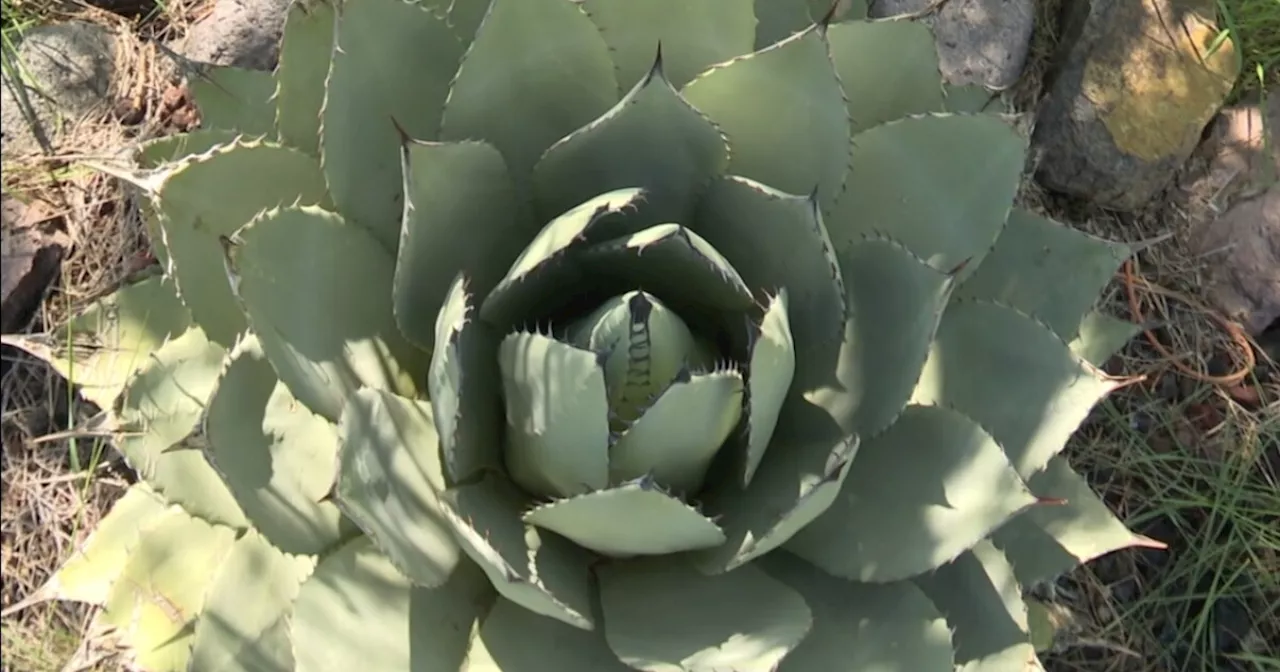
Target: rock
x=32 y=245
x=1230 y=196
x=69 y=70
x=1131 y=97
x=243 y=33
x=983 y=42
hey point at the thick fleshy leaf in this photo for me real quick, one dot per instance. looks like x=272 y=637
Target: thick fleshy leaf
x=235 y=99
x=982 y=601
x=557 y=415
x=662 y=615
x=381 y=46
x=676 y=438
x=784 y=113
x=880 y=89
x=670 y=149
x=694 y=34
x=941 y=184
x=1048 y=541
x=795 y=484
x=88 y=574
x=538 y=570
x=1101 y=336
x=770 y=370
x=153 y=153
x=318 y=293
x=930 y=487
x=644 y=346
x=465 y=16
x=157 y=597
x=778 y=20
x=159 y=415
x=461 y=216
x=540 y=278
x=673 y=263
x=463 y=382
x=245 y=620
x=275 y=456
x=305 y=50
x=973 y=98
x=214 y=195
x=896 y=300
x=537 y=70
x=99 y=349
x=1032 y=414
x=514 y=639
x=358 y=612
x=636 y=518
x=862 y=626
x=779 y=241
x=1030 y=260
x=389 y=481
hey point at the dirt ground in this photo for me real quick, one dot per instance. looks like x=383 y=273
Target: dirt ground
x=1190 y=455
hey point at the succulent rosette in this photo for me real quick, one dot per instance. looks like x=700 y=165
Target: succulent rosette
x=591 y=335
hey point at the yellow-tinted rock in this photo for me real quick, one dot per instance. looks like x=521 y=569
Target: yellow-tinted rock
x=1139 y=84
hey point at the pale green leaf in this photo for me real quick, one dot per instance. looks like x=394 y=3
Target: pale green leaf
x=927 y=489
x=662 y=615
x=244 y=622
x=159 y=415
x=90 y=570
x=462 y=216
x=1048 y=541
x=982 y=601
x=274 y=454
x=784 y=113
x=896 y=300
x=101 y=348
x=305 y=51
x=889 y=70
x=1031 y=414
x=235 y=99
x=214 y=195
x=156 y=600
x=538 y=279
x=940 y=184
x=1047 y=270
x=389 y=481
x=537 y=70
x=862 y=626
x=514 y=639
x=676 y=437
x=779 y=241
x=635 y=518
x=318 y=293
x=770 y=370
x=392 y=64
x=795 y=484
x=1101 y=336
x=557 y=412
x=463 y=382
x=465 y=16
x=972 y=98
x=153 y=153
x=540 y=571
x=651 y=139
x=358 y=612
x=674 y=263
x=694 y=34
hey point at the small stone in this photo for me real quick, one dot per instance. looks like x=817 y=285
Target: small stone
x=69 y=69
x=981 y=42
x=243 y=33
x=32 y=245
x=1131 y=98
x=1230 y=197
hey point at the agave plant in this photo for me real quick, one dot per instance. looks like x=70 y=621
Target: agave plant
x=591 y=335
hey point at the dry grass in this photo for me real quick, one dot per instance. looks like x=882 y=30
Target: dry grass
x=1187 y=457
